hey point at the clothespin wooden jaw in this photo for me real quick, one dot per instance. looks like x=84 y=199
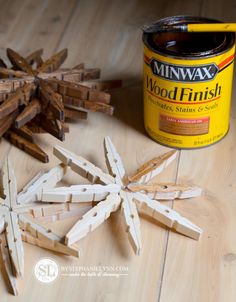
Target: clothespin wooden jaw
x=41 y=97
x=117 y=190
x=16 y=224
x=20 y=214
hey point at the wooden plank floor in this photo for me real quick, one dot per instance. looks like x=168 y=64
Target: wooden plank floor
x=171 y=267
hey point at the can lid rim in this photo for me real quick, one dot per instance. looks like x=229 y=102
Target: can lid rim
x=148 y=39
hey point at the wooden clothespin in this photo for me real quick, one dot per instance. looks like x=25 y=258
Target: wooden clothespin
x=132 y=197
x=21 y=96
x=13 y=255
x=17 y=222
x=35 y=57
x=34 y=91
x=54 y=62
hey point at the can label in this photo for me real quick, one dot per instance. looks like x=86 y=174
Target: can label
x=187 y=101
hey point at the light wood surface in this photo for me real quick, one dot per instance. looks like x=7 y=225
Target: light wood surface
x=171 y=267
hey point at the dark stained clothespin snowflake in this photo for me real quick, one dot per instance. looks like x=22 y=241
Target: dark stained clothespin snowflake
x=36 y=96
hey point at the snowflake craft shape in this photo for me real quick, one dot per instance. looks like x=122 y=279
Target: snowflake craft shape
x=20 y=217
x=116 y=189
x=40 y=99
x=22 y=214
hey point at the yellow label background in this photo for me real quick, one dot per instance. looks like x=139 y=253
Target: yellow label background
x=218 y=111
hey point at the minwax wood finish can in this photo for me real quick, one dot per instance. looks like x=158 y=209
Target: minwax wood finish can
x=187 y=85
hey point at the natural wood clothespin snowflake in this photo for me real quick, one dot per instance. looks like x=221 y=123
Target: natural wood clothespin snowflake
x=20 y=215
x=19 y=220
x=116 y=189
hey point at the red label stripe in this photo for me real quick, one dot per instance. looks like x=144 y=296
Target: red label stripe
x=226 y=61
x=147 y=59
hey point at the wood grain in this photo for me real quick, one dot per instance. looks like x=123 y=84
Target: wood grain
x=208 y=269
x=106 y=34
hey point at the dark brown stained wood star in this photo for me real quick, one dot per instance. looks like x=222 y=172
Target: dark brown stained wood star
x=36 y=96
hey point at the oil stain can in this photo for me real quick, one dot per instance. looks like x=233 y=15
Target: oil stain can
x=187 y=84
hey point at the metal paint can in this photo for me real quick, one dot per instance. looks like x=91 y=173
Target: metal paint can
x=187 y=85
